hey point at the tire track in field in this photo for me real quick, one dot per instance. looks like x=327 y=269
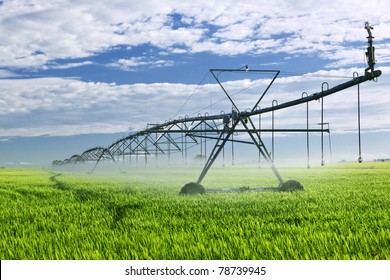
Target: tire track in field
x=81 y=195
x=116 y=211
x=58 y=184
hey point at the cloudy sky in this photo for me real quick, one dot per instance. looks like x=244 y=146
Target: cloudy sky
x=72 y=67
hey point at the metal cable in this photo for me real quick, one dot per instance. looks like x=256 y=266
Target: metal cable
x=188 y=99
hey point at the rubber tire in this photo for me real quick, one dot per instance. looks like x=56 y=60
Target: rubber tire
x=291 y=186
x=192 y=188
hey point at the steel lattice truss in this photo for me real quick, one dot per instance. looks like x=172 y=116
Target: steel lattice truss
x=181 y=134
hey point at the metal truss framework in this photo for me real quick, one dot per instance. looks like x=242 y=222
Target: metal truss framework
x=179 y=135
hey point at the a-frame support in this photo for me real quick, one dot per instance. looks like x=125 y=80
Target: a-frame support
x=235 y=120
x=218 y=147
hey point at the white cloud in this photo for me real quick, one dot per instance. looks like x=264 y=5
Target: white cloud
x=35 y=33
x=7 y=74
x=136 y=63
x=57 y=106
x=66 y=65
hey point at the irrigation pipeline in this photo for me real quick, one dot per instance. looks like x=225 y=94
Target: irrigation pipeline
x=222 y=128
x=172 y=126
x=355 y=81
x=244 y=114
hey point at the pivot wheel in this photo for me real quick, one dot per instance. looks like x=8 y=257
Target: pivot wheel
x=192 y=188
x=291 y=186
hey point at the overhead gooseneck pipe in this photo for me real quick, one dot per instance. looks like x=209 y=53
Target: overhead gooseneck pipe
x=274 y=102
x=304 y=94
x=322 y=123
x=360 y=159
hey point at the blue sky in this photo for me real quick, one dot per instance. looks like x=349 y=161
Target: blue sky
x=72 y=67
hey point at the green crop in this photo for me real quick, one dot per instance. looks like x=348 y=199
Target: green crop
x=343 y=213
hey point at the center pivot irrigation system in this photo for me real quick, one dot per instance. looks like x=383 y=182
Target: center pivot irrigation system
x=183 y=133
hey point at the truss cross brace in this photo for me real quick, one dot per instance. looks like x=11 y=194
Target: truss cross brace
x=236 y=119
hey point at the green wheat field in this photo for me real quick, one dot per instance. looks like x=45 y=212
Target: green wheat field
x=343 y=213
